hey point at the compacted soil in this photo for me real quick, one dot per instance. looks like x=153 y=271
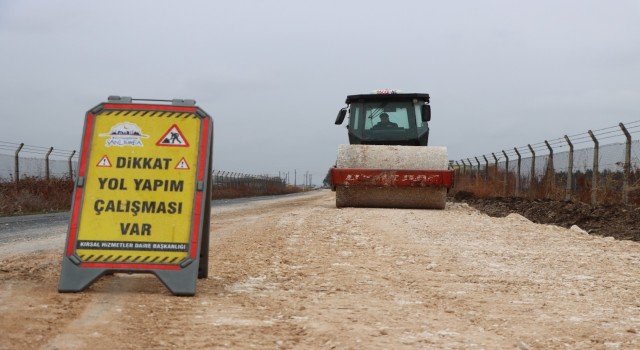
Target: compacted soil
x=298 y=273
x=610 y=220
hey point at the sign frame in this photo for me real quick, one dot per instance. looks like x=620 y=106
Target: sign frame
x=190 y=251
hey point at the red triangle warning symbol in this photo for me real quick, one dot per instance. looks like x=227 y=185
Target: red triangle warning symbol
x=104 y=162
x=182 y=164
x=173 y=138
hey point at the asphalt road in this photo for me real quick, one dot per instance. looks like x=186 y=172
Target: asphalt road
x=29 y=227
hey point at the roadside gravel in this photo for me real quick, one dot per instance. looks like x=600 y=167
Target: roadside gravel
x=297 y=273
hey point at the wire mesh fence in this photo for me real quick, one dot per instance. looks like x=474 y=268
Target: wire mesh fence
x=19 y=161
x=228 y=184
x=555 y=169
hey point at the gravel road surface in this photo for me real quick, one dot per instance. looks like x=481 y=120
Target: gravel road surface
x=298 y=273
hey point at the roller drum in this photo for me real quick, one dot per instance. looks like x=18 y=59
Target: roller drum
x=392 y=157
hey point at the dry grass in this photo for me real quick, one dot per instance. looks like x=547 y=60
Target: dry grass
x=550 y=186
x=36 y=195
x=250 y=190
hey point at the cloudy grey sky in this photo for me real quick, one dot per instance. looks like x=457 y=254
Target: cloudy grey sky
x=273 y=74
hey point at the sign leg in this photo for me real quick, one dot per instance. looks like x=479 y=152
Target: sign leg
x=76 y=279
x=181 y=282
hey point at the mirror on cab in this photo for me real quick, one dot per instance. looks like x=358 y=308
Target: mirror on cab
x=426 y=112
x=341 y=115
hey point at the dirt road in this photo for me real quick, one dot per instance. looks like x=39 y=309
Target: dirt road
x=300 y=274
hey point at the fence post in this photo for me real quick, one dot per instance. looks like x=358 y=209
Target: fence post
x=46 y=163
x=464 y=167
x=506 y=172
x=532 y=179
x=627 y=166
x=478 y=172
x=17 y=165
x=470 y=168
x=518 y=171
x=567 y=194
x=495 y=171
x=594 y=179
x=457 y=168
x=71 y=165
x=550 y=172
x=486 y=168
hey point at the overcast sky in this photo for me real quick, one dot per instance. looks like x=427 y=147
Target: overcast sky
x=273 y=74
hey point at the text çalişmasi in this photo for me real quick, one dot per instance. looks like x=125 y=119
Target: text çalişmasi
x=135 y=207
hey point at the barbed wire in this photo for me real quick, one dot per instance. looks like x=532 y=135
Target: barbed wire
x=605 y=133
x=12 y=147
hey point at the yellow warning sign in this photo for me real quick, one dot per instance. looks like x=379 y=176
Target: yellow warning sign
x=137 y=208
x=141 y=201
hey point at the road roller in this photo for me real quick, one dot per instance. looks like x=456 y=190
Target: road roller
x=388 y=163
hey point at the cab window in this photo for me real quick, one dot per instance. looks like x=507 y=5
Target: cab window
x=401 y=113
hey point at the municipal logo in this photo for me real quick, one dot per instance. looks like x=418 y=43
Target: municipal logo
x=125 y=134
